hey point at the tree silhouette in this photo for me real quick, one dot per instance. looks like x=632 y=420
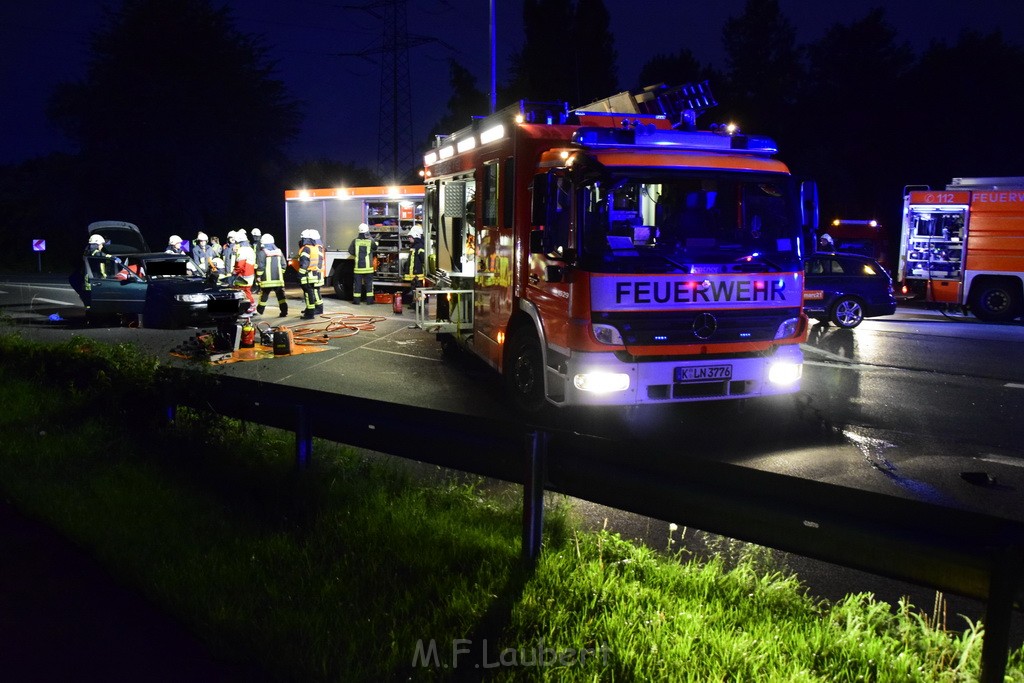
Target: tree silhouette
x=540 y=70
x=848 y=107
x=568 y=53
x=326 y=172
x=179 y=120
x=466 y=101
x=593 y=49
x=676 y=69
x=764 y=69
x=964 y=104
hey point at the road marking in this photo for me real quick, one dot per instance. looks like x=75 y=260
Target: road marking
x=62 y=288
x=1002 y=460
x=1013 y=385
x=396 y=353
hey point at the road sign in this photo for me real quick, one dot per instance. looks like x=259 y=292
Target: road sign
x=38 y=245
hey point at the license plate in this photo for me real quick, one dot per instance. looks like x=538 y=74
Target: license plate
x=222 y=305
x=703 y=373
x=814 y=295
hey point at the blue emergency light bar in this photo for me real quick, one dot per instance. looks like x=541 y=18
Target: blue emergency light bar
x=647 y=136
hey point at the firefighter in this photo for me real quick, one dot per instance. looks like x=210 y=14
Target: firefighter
x=319 y=300
x=270 y=266
x=215 y=246
x=174 y=245
x=362 y=250
x=255 y=237
x=310 y=265
x=202 y=253
x=101 y=264
x=245 y=267
x=414 y=267
x=228 y=254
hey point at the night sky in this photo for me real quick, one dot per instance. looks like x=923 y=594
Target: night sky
x=45 y=41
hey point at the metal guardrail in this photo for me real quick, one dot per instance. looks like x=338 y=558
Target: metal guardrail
x=962 y=552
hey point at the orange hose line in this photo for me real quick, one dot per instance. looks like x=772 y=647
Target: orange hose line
x=333 y=326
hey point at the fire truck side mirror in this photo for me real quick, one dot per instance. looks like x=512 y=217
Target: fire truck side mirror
x=537 y=242
x=540 y=199
x=809 y=204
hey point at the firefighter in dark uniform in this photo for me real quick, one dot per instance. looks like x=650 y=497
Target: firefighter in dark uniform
x=270 y=266
x=310 y=265
x=362 y=250
x=101 y=264
x=414 y=267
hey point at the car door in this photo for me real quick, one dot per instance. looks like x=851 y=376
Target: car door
x=815 y=282
x=116 y=288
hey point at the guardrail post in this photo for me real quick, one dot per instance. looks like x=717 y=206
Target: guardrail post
x=995 y=648
x=533 y=494
x=303 y=438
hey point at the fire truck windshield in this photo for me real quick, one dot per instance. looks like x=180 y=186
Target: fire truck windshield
x=685 y=222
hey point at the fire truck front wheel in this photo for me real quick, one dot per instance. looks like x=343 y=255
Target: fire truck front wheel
x=995 y=300
x=524 y=371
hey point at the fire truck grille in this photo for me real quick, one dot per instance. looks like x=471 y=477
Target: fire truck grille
x=666 y=329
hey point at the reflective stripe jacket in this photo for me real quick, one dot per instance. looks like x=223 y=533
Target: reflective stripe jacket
x=310 y=264
x=363 y=248
x=270 y=266
x=414 y=266
x=245 y=263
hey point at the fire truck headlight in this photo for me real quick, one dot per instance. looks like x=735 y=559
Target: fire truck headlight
x=607 y=334
x=785 y=373
x=601 y=382
x=788 y=328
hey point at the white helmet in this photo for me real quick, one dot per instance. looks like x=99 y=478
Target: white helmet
x=416 y=231
x=201 y=237
x=97 y=239
x=174 y=239
x=240 y=236
x=314 y=234
x=256 y=232
x=304 y=235
x=217 y=262
x=266 y=238
x=363 y=228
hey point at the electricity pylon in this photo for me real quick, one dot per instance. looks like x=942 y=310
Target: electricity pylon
x=395 y=153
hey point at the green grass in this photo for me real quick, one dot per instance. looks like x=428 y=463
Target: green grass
x=355 y=570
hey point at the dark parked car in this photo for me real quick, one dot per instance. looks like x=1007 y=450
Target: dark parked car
x=159 y=289
x=846 y=288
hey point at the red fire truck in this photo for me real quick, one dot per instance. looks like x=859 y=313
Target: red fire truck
x=964 y=246
x=616 y=255
x=856 y=236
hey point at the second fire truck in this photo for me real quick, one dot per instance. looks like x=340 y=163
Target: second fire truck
x=963 y=246
x=616 y=255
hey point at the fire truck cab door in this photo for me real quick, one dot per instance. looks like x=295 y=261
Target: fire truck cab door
x=551 y=253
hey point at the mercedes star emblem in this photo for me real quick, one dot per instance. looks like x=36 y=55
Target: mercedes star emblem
x=704 y=325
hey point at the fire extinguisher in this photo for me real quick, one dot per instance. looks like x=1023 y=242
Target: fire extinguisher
x=248 y=334
x=396 y=302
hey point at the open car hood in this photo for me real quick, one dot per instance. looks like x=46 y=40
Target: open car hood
x=121 y=237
